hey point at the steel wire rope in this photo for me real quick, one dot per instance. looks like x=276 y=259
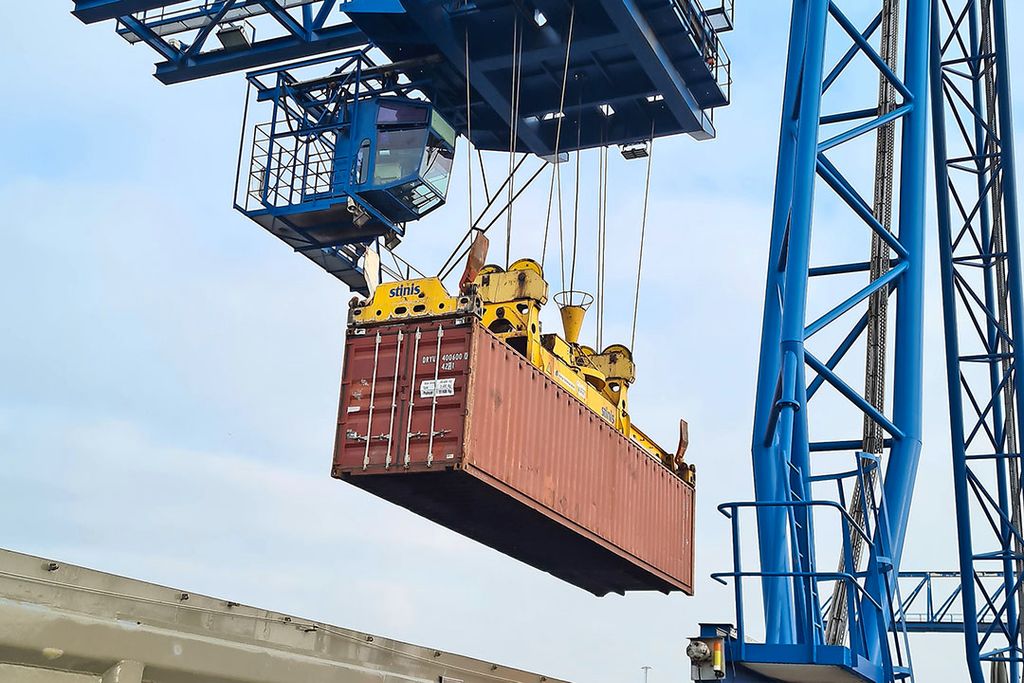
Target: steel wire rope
x=602 y=234
x=483 y=173
x=556 y=166
x=576 y=204
x=469 y=134
x=449 y=265
x=643 y=235
x=517 y=75
x=453 y=259
x=445 y=273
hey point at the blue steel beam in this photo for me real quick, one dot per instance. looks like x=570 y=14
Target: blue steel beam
x=204 y=33
x=91 y=11
x=659 y=68
x=286 y=20
x=177 y=20
x=662 y=69
x=930 y=602
x=262 y=53
x=452 y=44
x=192 y=60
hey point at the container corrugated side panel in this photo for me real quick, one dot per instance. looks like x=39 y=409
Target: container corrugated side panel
x=529 y=433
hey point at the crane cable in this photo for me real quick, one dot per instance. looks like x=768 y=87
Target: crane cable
x=442 y=272
x=643 y=235
x=602 y=238
x=556 y=172
x=483 y=173
x=455 y=258
x=517 y=76
x=575 y=209
x=469 y=133
x=452 y=260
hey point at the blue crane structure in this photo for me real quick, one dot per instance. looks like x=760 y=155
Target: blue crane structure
x=359 y=144
x=980 y=258
x=955 y=73
x=361 y=135
x=931 y=602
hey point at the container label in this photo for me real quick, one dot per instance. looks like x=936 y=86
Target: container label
x=430 y=388
x=571 y=384
x=448 y=360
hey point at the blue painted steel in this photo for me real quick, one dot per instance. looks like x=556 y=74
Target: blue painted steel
x=345 y=158
x=983 y=314
x=91 y=11
x=262 y=53
x=784 y=469
x=633 y=66
x=931 y=601
x=655 y=63
x=180 y=32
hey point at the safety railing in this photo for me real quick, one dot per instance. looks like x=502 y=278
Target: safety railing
x=705 y=36
x=857 y=595
x=282 y=176
x=874 y=611
x=293 y=159
x=721 y=13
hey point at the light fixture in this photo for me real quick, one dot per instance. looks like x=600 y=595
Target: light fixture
x=655 y=98
x=635 y=150
x=539 y=18
x=606 y=109
x=360 y=216
x=560 y=158
x=233 y=37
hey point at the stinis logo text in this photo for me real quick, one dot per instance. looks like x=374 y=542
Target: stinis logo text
x=405 y=290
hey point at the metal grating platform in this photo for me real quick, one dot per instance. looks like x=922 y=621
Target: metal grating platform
x=175 y=19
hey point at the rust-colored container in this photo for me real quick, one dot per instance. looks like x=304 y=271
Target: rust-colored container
x=444 y=419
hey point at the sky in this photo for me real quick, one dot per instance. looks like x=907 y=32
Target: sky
x=171 y=372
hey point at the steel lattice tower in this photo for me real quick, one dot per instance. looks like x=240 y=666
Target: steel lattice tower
x=797 y=484
x=982 y=300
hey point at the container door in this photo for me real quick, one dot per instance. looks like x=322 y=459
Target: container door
x=434 y=406
x=369 y=410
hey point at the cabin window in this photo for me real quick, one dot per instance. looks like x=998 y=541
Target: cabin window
x=436 y=168
x=417 y=196
x=362 y=167
x=400 y=113
x=398 y=154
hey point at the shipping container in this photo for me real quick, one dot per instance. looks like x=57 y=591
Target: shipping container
x=445 y=419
